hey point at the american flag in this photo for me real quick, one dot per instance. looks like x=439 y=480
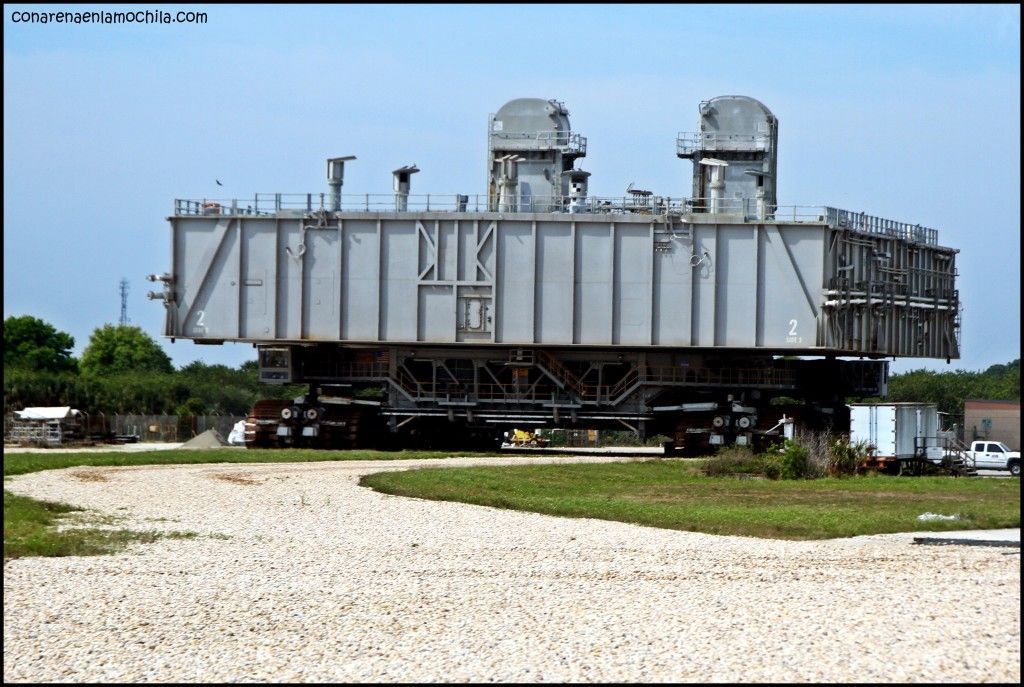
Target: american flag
x=383 y=356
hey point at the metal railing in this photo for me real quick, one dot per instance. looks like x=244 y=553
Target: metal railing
x=301 y=204
x=945 y=451
x=560 y=371
x=689 y=142
x=566 y=141
x=525 y=390
x=264 y=204
x=869 y=224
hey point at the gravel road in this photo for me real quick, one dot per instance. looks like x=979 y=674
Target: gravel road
x=301 y=575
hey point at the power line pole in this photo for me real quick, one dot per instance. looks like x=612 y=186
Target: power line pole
x=124 y=302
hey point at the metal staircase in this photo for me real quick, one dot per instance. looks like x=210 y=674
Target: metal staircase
x=560 y=373
x=957 y=460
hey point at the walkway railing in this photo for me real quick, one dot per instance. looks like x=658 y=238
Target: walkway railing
x=869 y=224
x=685 y=209
x=566 y=141
x=689 y=142
x=299 y=204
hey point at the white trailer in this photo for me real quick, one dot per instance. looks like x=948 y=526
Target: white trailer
x=897 y=431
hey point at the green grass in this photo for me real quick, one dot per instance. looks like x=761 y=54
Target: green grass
x=30 y=530
x=30 y=525
x=673 y=495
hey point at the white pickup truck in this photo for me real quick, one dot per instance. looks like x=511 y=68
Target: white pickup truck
x=994 y=455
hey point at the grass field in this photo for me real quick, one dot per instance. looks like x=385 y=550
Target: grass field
x=674 y=495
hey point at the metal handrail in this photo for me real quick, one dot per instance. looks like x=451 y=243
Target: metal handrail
x=565 y=140
x=755 y=376
x=303 y=203
x=689 y=142
x=555 y=367
x=870 y=224
x=300 y=204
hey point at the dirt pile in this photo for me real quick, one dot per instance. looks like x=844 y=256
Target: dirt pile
x=211 y=438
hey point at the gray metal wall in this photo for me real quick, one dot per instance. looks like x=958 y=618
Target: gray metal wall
x=544 y=279
x=553 y=279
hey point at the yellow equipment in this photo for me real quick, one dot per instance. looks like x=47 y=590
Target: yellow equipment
x=521 y=438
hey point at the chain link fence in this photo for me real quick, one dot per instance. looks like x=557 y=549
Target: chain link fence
x=147 y=428
x=171 y=428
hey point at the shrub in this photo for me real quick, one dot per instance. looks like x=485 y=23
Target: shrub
x=795 y=460
x=770 y=465
x=731 y=460
x=819 y=452
x=828 y=455
x=847 y=457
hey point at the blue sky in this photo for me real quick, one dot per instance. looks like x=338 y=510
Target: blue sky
x=906 y=112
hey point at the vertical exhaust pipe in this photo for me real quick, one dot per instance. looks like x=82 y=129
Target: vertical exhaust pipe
x=508 y=182
x=577 y=189
x=717 y=184
x=402 y=184
x=335 y=178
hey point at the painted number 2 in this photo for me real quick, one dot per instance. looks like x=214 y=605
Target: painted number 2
x=201 y=320
x=792 y=327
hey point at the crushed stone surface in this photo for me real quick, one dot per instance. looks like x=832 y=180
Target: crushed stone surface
x=301 y=575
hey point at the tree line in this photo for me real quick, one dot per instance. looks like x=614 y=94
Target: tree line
x=123 y=370
x=949 y=390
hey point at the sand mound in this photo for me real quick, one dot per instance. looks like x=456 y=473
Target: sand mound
x=211 y=438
